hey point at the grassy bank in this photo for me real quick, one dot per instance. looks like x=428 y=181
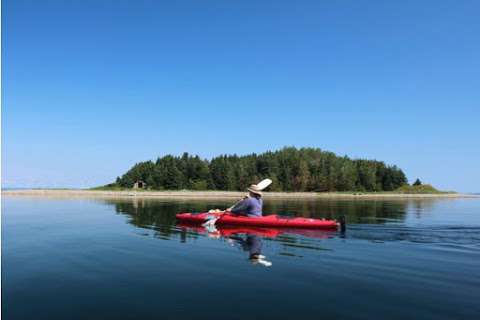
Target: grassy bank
x=420 y=189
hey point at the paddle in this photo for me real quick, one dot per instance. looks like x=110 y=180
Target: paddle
x=262 y=185
x=210 y=223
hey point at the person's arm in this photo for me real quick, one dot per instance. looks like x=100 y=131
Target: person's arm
x=241 y=206
x=236 y=203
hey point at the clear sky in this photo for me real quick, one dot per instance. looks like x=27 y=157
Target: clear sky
x=91 y=87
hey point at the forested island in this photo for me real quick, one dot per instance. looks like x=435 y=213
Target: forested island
x=291 y=169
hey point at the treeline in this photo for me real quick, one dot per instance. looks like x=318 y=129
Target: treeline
x=291 y=169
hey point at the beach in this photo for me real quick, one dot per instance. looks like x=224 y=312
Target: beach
x=188 y=194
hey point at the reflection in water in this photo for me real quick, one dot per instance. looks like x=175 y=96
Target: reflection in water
x=356 y=211
x=248 y=239
x=159 y=216
x=253 y=245
x=77 y=259
x=372 y=220
x=154 y=212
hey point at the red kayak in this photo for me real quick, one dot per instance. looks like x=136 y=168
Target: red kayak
x=273 y=220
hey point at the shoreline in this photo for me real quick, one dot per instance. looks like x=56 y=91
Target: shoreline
x=186 y=194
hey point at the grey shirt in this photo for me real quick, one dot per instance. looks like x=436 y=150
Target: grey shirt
x=250 y=206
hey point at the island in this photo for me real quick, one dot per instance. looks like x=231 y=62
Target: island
x=296 y=173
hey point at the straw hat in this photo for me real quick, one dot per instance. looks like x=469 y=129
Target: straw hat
x=255 y=189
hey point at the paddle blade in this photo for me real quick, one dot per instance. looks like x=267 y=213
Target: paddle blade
x=264 y=183
x=210 y=228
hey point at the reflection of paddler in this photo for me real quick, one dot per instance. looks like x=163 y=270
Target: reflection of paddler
x=253 y=244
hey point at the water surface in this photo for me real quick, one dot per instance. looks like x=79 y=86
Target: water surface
x=105 y=259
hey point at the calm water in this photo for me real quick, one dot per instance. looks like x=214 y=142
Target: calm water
x=103 y=259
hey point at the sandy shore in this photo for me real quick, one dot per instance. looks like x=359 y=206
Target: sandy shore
x=79 y=193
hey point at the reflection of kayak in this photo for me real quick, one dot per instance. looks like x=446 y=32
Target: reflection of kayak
x=227 y=231
x=265 y=221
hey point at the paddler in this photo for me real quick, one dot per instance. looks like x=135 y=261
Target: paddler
x=251 y=205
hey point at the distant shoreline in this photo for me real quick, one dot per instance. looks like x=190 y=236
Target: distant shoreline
x=186 y=194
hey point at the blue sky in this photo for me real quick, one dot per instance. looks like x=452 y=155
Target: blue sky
x=91 y=87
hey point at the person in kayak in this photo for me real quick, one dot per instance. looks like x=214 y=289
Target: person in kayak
x=251 y=205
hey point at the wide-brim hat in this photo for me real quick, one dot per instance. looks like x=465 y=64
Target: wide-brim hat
x=254 y=189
